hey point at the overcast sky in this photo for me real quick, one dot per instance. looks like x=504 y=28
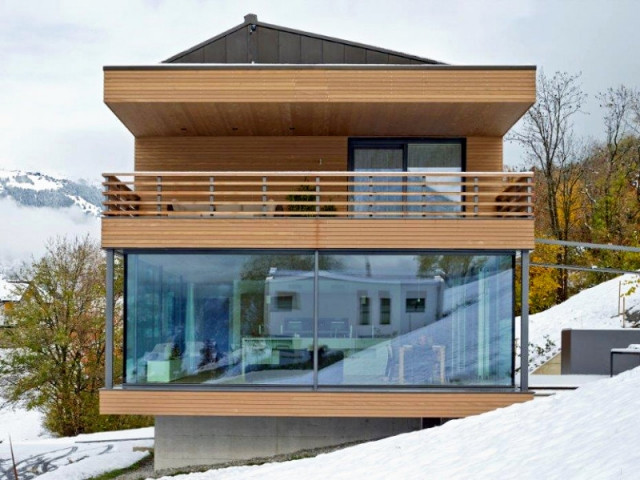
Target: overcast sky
x=52 y=52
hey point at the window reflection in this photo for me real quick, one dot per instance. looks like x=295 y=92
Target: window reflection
x=383 y=319
x=218 y=319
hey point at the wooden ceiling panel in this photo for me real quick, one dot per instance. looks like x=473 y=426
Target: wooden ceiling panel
x=243 y=119
x=319 y=101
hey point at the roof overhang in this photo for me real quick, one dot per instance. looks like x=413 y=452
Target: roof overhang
x=371 y=100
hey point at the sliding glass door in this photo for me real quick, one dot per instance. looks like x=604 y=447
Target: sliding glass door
x=382 y=158
x=425 y=191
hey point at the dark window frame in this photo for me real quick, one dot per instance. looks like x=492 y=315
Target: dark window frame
x=125 y=252
x=403 y=143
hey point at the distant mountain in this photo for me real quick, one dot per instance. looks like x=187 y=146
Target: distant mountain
x=34 y=189
x=35 y=208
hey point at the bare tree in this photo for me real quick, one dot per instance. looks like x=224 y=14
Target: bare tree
x=547 y=137
x=614 y=168
x=551 y=147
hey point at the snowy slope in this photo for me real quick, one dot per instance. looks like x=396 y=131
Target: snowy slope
x=591 y=433
x=594 y=308
x=68 y=458
x=34 y=189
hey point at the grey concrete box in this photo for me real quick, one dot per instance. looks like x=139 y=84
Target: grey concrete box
x=587 y=352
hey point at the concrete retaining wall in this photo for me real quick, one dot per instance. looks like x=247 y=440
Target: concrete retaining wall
x=190 y=441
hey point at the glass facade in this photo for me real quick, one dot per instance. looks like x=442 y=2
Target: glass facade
x=381 y=319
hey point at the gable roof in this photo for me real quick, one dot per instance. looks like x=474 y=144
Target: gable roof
x=257 y=42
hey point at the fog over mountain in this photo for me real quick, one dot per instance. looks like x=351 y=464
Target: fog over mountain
x=35 y=207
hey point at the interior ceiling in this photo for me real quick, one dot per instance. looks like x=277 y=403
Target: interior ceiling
x=146 y=119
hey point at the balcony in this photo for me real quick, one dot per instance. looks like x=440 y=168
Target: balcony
x=316 y=209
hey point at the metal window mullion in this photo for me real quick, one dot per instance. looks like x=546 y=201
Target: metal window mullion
x=108 y=361
x=524 y=321
x=316 y=266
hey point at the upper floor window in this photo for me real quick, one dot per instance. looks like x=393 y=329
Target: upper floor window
x=426 y=190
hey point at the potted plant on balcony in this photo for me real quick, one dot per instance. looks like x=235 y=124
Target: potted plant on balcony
x=301 y=202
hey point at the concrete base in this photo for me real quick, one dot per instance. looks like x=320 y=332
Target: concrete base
x=190 y=441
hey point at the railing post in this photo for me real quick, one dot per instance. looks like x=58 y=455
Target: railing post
x=212 y=208
x=158 y=194
x=475 y=196
x=424 y=196
x=264 y=195
x=529 y=199
x=371 y=197
x=106 y=196
x=317 y=196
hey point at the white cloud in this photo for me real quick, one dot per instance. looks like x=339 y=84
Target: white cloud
x=25 y=230
x=52 y=55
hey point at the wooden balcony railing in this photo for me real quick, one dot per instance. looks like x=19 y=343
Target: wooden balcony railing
x=319 y=194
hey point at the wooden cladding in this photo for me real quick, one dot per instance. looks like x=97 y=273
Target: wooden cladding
x=310 y=85
x=177 y=154
x=484 y=154
x=360 y=194
x=312 y=233
x=421 y=101
x=305 y=404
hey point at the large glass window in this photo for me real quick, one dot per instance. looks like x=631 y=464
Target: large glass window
x=219 y=318
x=382 y=319
x=442 y=319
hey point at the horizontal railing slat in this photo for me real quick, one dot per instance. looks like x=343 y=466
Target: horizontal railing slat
x=360 y=194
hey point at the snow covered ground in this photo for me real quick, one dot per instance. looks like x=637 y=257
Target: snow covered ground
x=588 y=433
x=68 y=458
x=591 y=432
x=594 y=308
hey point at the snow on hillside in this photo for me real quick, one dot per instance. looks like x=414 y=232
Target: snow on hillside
x=35 y=207
x=35 y=189
x=7 y=290
x=593 y=308
x=592 y=433
x=40 y=456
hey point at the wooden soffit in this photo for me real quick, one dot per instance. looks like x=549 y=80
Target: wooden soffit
x=429 y=100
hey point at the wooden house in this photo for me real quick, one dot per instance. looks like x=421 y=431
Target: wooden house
x=368 y=186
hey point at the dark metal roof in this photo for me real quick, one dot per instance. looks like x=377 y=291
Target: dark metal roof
x=256 y=42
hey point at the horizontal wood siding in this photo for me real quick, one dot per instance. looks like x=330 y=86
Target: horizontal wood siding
x=316 y=233
x=194 y=154
x=175 y=154
x=319 y=85
x=305 y=404
x=484 y=154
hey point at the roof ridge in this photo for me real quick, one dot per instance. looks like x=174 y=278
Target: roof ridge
x=251 y=20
